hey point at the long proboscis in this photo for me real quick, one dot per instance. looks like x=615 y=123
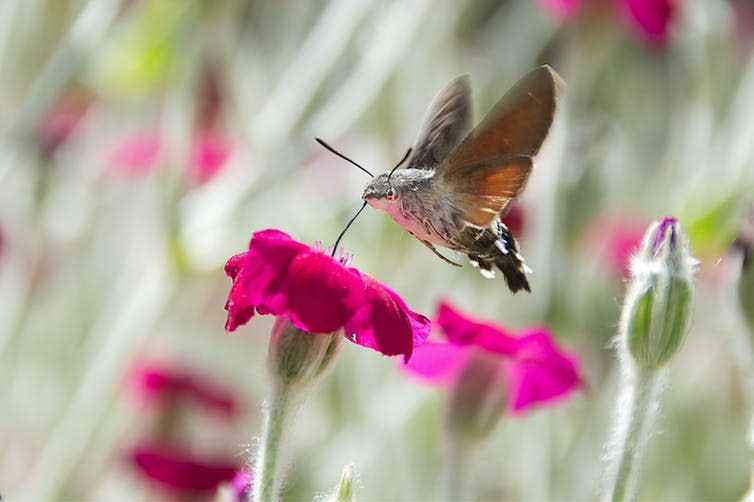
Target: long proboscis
x=356 y=215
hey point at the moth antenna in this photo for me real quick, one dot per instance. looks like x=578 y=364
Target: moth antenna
x=333 y=150
x=399 y=164
x=337 y=241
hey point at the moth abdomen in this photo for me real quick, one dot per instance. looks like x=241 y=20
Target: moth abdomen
x=498 y=248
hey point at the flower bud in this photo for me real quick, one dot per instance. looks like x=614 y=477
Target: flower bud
x=344 y=489
x=297 y=357
x=657 y=307
x=477 y=399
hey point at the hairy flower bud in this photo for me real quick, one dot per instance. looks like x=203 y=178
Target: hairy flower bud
x=344 y=489
x=657 y=307
x=297 y=357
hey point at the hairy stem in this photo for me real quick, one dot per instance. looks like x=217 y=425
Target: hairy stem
x=634 y=417
x=265 y=486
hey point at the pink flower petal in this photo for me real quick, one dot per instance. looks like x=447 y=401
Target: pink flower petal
x=239 y=308
x=211 y=396
x=208 y=155
x=162 y=385
x=322 y=295
x=650 y=19
x=137 y=154
x=437 y=363
x=179 y=472
x=515 y=219
x=259 y=275
x=265 y=269
x=531 y=368
x=319 y=294
x=541 y=372
x=385 y=323
x=461 y=330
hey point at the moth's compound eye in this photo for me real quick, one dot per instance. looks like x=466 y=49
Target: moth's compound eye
x=391 y=194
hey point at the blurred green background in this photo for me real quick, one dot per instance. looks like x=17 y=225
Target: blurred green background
x=144 y=140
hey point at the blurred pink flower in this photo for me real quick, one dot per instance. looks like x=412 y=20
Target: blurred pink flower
x=139 y=154
x=615 y=238
x=208 y=154
x=649 y=20
x=531 y=368
x=515 y=219
x=159 y=385
x=60 y=121
x=742 y=13
x=319 y=294
x=179 y=473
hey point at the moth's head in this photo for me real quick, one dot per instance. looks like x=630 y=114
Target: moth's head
x=382 y=191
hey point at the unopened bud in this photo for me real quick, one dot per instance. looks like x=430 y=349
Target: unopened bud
x=297 y=357
x=657 y=307
x=344 y=489
x=477 y=399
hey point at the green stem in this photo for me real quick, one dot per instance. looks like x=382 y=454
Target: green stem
x=456 y=461
x=635 y=423
x=265 y=485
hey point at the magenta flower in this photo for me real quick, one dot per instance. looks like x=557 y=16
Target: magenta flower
x=137 y=154
x=179 y=473
x=528 y=366
x=140 y=153
x=515 y=219
x=208 y=154
x=649 y=20
x=319 y=294
x=161 y=385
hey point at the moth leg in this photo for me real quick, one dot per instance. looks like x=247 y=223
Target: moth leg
x=434 y=250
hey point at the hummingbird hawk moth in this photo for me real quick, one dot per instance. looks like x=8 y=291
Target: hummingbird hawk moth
x=458 y=180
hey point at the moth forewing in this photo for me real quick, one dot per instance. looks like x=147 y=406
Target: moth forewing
x=491 y=165
x=447 y=122
x=517 y=125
